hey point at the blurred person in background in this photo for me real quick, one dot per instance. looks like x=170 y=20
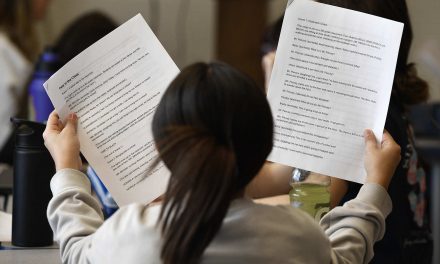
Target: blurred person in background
x=408 y=237
x=18 y=49
x=81 y=33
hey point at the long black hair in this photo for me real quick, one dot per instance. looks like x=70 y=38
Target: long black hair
x=81 y=33
x=213 y=129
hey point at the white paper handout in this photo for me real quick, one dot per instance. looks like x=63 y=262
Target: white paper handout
x=332 y=79
x=114 y=87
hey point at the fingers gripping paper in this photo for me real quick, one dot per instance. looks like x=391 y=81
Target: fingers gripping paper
x=114 y=87
x=332 y=79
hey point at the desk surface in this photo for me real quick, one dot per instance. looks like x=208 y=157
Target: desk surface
x=31 y=256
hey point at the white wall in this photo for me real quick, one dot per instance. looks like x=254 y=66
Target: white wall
x=185 y=27
x=425 y=19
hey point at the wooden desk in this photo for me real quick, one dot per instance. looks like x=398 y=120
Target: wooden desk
x=274 y=200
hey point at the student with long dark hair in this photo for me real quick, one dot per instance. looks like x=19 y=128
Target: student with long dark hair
x=408 y=238
x=213 y=129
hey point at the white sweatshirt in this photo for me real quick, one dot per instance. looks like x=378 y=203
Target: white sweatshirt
x=251 y=233
x=14 y=72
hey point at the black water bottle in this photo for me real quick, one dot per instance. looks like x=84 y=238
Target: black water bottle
x=33 y=169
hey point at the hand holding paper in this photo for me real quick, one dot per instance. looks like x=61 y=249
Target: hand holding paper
x=114 y=87
x=381 y=160
x=62 y=142
x=332 y=79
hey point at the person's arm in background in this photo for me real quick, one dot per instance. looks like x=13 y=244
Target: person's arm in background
x=267 y=64
x=338 y=189
x=273 y=179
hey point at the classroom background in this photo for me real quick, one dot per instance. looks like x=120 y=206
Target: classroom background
x=230 y=30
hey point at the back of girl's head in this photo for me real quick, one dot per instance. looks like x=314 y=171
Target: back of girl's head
x=407 y=85
x=81 y=33
x=213 y=130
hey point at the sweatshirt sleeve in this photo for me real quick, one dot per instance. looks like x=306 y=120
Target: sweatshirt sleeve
x=73 y=214
x=354 y=227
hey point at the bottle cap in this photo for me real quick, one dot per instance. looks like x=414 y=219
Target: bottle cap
x=28 y=134
x=48 y=61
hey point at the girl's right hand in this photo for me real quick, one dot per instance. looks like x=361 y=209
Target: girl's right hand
x=380 y=160
x=62 y=141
